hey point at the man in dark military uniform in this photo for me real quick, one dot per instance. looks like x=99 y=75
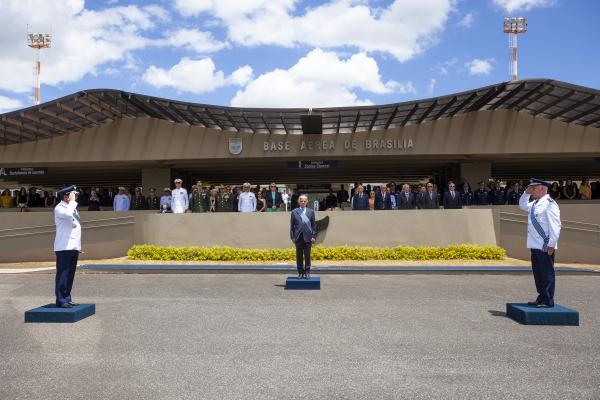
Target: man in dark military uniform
x=224 y=200
x=466 y=196
x=481 y=197
x=138 y=201
x=514 y=194
x=199 y=198
x=496 y=195
x=152 y=201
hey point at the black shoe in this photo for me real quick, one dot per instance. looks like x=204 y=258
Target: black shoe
x=66 y=305
x=533 y=303
x=73 y=304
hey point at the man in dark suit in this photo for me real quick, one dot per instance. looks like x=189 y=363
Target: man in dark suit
x=383 y=199
x=360 y=201
x=273 y=197
x=406 y=199
x=303 y=231
x=430 y=198
x=452 y=198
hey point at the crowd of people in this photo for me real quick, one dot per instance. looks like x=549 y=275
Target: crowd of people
x=246 y=198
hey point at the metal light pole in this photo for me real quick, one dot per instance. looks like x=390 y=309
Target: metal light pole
x=513 y=26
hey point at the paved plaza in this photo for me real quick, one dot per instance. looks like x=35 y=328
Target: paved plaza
x=242 y=336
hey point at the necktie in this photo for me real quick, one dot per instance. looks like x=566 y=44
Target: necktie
x=430 y=195
x=452 y=194
x=406 y=196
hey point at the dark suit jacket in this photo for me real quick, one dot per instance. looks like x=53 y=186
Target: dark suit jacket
x=449 y=202
x=381 y=203
x=278 y=199
x=360 y=204
x=403 y=203
x=427 y=203
x=299 y=228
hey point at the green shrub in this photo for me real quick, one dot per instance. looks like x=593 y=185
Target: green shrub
x=338 y=253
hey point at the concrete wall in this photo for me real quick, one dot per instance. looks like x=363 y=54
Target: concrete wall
x=106 y=234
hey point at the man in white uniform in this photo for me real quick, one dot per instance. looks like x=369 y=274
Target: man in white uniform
x=121 y=201
x=247 y=200
x=180 y=201
x=543 y=230
x=67 y=245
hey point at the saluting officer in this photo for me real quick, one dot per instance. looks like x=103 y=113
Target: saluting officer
x=480 y=196
x=179 y=198
x=543 y=230
x=67 y=245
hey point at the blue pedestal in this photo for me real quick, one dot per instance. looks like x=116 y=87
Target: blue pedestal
x=531 y=315
x=52 y=313
x=314 y=283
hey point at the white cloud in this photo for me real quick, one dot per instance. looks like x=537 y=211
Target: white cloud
x=480 y=67
x=8 y=104
x=403 y=29
x=195 y=76
x=431 y=86
x=320 y=79
x=523 y=5
x=443 y=67
x=466 y=21
x=83 y=39
x=193 y=39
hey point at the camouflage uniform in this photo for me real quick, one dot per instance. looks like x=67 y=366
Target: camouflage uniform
x=199 y=201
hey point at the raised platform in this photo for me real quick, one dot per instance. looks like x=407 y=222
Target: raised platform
x=531 y=315
x=293 y=283
x=52 y=313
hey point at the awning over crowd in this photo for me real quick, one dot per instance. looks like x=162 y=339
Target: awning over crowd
x=543 y=98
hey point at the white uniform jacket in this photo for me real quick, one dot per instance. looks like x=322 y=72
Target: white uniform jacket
x=68 y=228
x=179 y=201
x=547 y=213
x=247 y=202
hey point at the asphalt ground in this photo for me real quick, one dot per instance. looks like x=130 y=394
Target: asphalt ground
x=219 y=336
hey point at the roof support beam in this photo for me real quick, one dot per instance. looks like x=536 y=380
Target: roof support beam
x=198 y=117
x=486 y=97
x=284 y=125
x=20 y=132
x=410 y=114
x=61 y=118
x=105 y=104
x=583 y=114
x=44 y=122
x=426 y=113
x=445 y=108
x=166 y=110
x=509 y=96
x=391 y=118
x=572 y=107
x=373 y=120
x=25 y=126
x=231 y=120
x=535 y=98
x=339 y=122
x=145 y=108
x=96 y=107
x=356 y=121
x=591 y=121
x=553 y=103
x=262 y=117
x=463 y=103
x=76 y=112
x=215 y=120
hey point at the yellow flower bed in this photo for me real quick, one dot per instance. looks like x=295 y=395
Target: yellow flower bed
x=224 y=253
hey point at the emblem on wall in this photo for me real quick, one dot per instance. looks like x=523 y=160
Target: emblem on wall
x=235 y=146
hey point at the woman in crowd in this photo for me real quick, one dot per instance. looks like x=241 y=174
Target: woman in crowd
x=585 y=190
x=554 y=191
x=6 y=199
x=22 y=199
x=94 y=202
x=372 y=201
x=261 y=203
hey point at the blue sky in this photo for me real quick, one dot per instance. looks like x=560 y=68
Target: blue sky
x=284 y=53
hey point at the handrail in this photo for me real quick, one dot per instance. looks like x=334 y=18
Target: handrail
x=52 y=226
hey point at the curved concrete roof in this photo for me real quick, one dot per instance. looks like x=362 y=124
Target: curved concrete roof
x=89 y=108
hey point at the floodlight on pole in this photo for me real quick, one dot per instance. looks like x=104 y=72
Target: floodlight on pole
x=38 y=41
x=513 y=26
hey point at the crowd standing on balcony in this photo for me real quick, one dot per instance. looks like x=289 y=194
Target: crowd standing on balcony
x=245 y=198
